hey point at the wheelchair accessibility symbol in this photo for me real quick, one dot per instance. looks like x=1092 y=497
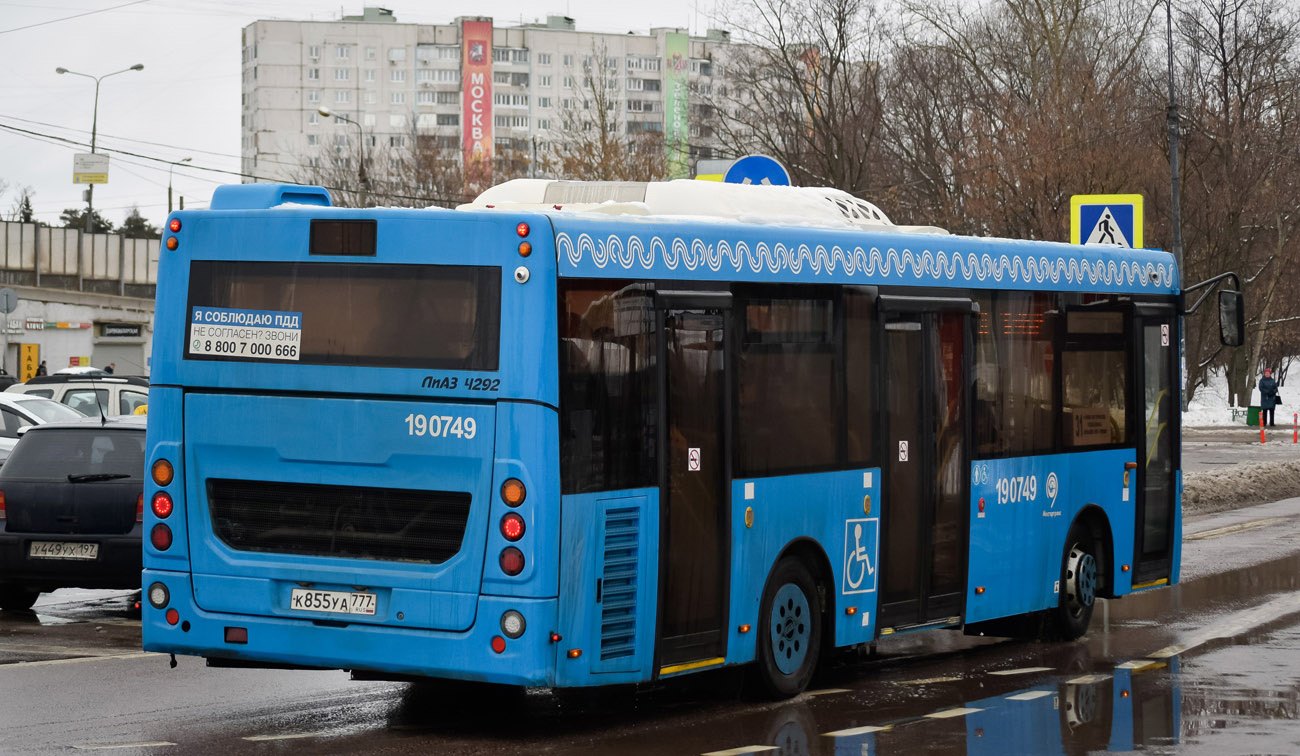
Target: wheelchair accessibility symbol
x=861 y=544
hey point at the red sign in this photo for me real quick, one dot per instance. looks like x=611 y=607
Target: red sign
x=476 y=88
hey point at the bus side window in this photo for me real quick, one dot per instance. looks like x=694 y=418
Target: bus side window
x=1015 y=385
x=1094 y=372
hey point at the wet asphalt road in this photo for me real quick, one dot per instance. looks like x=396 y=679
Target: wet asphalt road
x=1211 y=666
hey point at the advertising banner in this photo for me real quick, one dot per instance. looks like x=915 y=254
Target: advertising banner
x=476 y=93
x=677 y=126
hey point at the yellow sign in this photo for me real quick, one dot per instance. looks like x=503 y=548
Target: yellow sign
x=29 y=358
x=1113 y=220
x=89 y=168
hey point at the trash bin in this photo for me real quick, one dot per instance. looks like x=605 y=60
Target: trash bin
x=1252 y=416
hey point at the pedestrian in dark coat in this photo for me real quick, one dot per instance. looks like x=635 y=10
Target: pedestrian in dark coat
x=1268 y=397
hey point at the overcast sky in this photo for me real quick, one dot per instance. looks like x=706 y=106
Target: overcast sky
x=185 y=103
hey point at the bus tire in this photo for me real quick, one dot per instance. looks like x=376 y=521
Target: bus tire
x=15 y=599
x=789 y=630
x=1078 y=591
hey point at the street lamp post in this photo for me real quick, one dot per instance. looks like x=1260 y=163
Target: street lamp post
x=169 y=181
x=94 y=130
x=361 y=135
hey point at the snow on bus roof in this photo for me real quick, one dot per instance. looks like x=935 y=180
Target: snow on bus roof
x=695 y=200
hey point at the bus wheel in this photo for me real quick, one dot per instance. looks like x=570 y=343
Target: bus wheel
x=14 y=599
x=789 y=630
x=1078 y=585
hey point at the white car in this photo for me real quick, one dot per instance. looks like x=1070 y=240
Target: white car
x=19 y=411
x=90 y=395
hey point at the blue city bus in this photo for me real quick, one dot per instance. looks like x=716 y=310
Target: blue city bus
x=519 y=444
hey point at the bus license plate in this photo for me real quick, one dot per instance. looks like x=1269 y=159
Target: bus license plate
x=62 y=550
x=336 y=602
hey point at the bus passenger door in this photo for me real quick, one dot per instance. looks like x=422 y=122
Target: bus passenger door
x=1156 y=360
x=924 y=512
x=695 y=476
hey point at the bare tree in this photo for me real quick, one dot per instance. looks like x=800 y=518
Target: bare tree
x=595 y=141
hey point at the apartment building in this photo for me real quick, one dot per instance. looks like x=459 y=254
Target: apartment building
x=468 y=85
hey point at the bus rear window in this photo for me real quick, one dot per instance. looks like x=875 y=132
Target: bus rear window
x=378 y=315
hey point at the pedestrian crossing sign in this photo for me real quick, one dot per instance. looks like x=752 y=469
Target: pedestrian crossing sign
x=1108 y=219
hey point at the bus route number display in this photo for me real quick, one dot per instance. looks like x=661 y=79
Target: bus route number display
x=245 y=334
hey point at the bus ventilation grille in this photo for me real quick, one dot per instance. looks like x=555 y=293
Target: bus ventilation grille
x=385 y=524
x=619 y=584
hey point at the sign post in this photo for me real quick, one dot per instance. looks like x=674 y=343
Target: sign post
x=8 y=303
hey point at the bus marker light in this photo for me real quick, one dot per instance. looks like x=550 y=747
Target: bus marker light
x=981 y=503
x=512 y=526
x=512 y=561
x=556 y=637
x=498 y=644
x=1124 y=568
x=525 y=249
x=162 y=505
x=851 y=610
x=173 y=242
x=513 y=492
x=173 y=616
x=521 y=275
x=174 y=225
x=744 y=629
x=979 y=590
x=1123 y=694
x=161 y=537
x=512 y=624
x=574 y=653
x=522 y=229
x=158 y=595
x=236 y=635
x=162 y=472
x=139 y=507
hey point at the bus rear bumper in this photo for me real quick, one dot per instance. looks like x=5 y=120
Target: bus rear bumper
x=527 y=661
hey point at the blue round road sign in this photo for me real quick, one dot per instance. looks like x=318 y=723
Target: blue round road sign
x=757 y=169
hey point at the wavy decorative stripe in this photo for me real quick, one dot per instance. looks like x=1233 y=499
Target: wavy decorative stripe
x=926 y=265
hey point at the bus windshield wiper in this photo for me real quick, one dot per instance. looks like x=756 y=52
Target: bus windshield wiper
x=91 y=477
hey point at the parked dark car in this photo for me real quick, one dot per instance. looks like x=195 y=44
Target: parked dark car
x=71 y=505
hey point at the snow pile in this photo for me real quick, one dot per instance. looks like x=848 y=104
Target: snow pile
x=1240 y=485
x=1209 y=407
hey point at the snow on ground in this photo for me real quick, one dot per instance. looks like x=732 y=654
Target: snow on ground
x=1209 y=406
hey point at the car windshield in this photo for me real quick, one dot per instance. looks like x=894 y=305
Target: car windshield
x=48 y=410
x=67 y=453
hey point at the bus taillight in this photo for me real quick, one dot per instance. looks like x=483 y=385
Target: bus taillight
x=512 y=527
x=513 y=492
x=162 y=472
x=512 y=561
x=162 y=505
x=161 y=537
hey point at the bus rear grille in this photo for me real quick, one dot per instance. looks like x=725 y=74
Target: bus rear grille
x=387 y=524
x=618 y=581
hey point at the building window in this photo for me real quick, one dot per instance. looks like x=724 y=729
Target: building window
x=500 y=55
x=312 y=162
x=369 y=98
x=313 y=52
x=342 y=52
x=397 y=53
x=424 y=98
x=543 y=102
x=568 y=60
x=342 y=74
x=340 y=140
x=342 y=95
x=448 y=119
x=397 y=75
x=635 y=85
x=397 y=98
x=313 y=118
x=370 y=53
x=448 y=76
x=568 y=82
x=448 y=53
x=611 y=64
x=424 y=74
x=543 y=59
x=370 y=74
x=396 y=141
x=543 y=123
x=448 y=98
x=518 y=56
x=501 y=77
x=544 y=81
x=313 y=95
x=313 y=73
x=313 y=140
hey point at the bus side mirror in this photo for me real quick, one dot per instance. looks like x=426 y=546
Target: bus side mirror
x=1232 y=318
